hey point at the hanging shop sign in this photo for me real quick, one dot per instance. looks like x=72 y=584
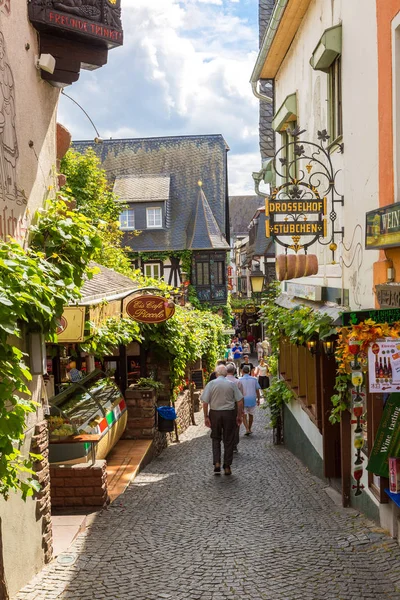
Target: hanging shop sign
x=101 y=312
x=384 y=366
x=295 y=209
x=382 y=227
x=149 y=309
x=71 y=325
x=387 y=440
x=386 y=315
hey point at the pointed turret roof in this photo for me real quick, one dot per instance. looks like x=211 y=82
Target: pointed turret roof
x=204 y=232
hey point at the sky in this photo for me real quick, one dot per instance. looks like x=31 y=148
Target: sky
x=184 y=69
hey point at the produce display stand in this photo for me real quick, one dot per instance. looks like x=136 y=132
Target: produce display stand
x=95 y=410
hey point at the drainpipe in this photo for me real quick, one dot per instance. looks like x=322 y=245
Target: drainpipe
x=276 y=17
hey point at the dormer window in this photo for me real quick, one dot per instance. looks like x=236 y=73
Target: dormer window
x=154 y=218
x=127 y=219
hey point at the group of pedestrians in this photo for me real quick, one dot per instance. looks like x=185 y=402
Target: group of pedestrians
x=229 y=400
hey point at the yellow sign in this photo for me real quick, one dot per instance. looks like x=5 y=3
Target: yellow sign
x=71 y=326
x=101 y=312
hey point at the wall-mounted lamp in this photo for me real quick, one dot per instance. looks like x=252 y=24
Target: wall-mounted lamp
x=390 y=273
x=329 y=347
x=37 y=353
x=312 y=345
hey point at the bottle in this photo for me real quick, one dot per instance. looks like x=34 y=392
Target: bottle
x=385 y=369
x=380 y=369
x=376 y=367
x=390 y=372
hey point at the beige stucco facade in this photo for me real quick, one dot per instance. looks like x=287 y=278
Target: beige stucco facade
x=28 y=108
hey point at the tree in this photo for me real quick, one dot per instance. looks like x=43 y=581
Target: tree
x=87 y=185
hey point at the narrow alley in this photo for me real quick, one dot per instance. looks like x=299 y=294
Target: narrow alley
x=268 y=532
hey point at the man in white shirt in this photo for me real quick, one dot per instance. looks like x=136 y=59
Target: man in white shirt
x=223 y=411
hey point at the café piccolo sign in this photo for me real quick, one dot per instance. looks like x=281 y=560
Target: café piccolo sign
x=295 y=210
x=149 y=309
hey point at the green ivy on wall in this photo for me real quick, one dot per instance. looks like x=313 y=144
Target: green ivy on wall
x=35 y=286
x=186 y=337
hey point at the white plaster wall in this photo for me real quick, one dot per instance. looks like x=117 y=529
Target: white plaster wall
x=28 y=107
x=30 y=117
x=359 y=163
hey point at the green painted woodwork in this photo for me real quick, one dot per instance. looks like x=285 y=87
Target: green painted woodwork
x=328 y=49
x=298 y=443
x=286 y=113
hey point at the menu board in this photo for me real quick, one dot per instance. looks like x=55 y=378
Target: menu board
x=384 y=366
x=387 y=439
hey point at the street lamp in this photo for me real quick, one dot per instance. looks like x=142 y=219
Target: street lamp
x=257 y=279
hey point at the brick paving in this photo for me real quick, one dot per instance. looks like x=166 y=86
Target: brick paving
x=268 y=532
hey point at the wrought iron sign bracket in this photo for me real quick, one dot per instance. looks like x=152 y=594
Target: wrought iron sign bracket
x=301 y=209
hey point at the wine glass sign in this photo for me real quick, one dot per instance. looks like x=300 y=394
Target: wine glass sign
x=297 y=210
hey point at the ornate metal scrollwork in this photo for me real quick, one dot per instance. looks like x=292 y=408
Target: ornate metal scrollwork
x=307 y=189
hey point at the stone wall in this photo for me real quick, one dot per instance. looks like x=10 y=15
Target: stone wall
x=79 y=485
x=141 y=405
x=40 y=445
x=183 y=411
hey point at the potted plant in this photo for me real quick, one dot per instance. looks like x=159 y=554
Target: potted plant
x=149 y=383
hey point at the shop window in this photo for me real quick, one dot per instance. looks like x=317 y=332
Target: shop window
x=154 y=218
x=152 y=270
x=203 y=273
x=335 y=99
x=127 y=219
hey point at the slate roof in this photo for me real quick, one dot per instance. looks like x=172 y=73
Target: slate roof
x=186 y=159
x=142 y=188
x=263 y=246
x=204 y=232
x=241 y=211
x=105 y=284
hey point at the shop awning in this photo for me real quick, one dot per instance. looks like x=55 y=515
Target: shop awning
x=328 y=308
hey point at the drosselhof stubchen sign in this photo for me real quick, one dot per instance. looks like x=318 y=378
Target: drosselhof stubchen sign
x=150 y=309
x=290 y=212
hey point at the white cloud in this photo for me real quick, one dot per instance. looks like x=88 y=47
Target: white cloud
x=241 y=167
x=184 y=69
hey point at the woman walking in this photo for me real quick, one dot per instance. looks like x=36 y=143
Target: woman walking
x=261 y=372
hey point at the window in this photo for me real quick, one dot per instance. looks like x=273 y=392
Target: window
x=127 y=219
x=203 y=273
x=335 y=99
x=153 y=270
x=219 y=273
x=154 y=218
x=290 y=169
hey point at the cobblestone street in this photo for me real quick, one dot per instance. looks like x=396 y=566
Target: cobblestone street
x=268 y=532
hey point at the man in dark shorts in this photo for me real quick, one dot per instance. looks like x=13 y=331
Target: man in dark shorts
x=223 y=411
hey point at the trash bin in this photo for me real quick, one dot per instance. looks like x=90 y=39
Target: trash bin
x=166 y=416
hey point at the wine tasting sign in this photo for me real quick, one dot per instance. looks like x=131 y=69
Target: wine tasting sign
x=149 y=309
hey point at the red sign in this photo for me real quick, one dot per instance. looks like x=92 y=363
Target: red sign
x=84 y=26
x=150 y=309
